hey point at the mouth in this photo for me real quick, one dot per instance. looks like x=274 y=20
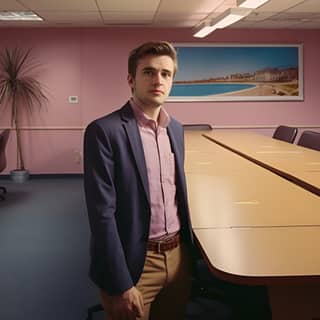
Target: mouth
x=157 y=92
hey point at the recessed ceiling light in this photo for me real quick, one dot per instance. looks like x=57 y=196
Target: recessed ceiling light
x=19 y=16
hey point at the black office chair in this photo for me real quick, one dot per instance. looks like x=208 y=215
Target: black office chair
x=285 y=133
x=4 y=136
x=197 y=126
x=310 y=139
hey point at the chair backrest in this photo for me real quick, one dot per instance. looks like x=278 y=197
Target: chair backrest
x=197 y=126
x=4 y=136
x=285 y=133
x=310 y=139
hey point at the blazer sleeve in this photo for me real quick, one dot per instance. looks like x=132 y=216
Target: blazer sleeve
x=108 y=268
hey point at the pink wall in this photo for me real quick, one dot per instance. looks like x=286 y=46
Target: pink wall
x=92 y=63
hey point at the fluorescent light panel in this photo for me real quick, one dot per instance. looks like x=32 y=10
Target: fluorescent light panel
x=229 y=17
x=19 y=16
x=252 y=4
x=204 y=30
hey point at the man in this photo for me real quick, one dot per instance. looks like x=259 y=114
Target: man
x=136 y=197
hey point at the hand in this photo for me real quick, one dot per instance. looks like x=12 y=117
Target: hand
x=126 y=306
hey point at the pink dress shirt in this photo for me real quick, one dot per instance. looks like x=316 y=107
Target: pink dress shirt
x=161 y=172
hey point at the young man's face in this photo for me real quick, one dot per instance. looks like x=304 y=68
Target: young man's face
x=153 y=80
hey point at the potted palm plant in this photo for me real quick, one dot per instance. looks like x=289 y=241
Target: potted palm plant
x=21 y=93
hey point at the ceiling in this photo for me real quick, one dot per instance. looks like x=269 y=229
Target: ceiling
x=276 y=14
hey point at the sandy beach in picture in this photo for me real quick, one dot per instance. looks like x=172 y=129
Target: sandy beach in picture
x=238 y=72
x=267 y=89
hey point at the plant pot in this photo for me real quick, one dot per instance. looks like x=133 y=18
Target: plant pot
x=19 y=176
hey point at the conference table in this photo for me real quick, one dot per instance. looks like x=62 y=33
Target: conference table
x=252 y=225
x=298 y=164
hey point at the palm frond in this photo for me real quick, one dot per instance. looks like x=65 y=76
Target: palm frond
x=19 y=89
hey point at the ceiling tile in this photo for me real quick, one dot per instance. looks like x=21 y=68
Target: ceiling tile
x=269 y=24
x=179 y=16
x=194 y=6
x=294 y=17
x=71 y=16
x=178 y=20
x=124 y=5
x=310 y=25
x=278 y=5
x=177 y=23
x=121 y=17
x=11 y=5
x=76 y=5
x=307 y=6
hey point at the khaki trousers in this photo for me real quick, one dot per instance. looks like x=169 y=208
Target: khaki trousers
x=165 y=284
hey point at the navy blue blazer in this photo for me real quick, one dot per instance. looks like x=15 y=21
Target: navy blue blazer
x=117 y=197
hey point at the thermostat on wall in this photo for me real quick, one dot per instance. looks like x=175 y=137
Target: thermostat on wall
x=73 y=99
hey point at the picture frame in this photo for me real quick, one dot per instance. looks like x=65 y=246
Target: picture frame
x=238 y=72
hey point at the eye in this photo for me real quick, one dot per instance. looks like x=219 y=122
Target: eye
x=166 y=74
x=148 y=72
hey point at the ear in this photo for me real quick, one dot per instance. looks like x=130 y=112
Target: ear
x=130 y=81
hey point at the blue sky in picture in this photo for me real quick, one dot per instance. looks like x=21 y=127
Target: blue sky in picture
x=203 y=62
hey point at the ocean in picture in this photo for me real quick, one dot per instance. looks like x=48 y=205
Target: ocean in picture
x=206 y=89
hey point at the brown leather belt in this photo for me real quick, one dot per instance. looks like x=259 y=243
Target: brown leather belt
x=164 y=245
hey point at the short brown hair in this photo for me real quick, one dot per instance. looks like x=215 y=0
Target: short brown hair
x=157 y=48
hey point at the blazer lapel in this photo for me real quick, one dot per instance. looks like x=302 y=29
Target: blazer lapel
x=133 y=134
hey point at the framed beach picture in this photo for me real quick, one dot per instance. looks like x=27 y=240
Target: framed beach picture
x=238 y=72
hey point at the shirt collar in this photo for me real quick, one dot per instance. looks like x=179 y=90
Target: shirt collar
x=144 y=120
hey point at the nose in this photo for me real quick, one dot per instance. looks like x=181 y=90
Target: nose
x=157 y=78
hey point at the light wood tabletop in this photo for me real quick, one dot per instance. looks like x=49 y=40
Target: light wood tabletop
x=194 y=143
x=262 y=252
x=300 y=165
x=249 y=200
x=227 y=190
x=249 y=221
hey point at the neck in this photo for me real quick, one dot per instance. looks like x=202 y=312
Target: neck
x=150 y=111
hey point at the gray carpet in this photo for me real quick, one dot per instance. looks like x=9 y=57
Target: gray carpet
x=44 y=241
